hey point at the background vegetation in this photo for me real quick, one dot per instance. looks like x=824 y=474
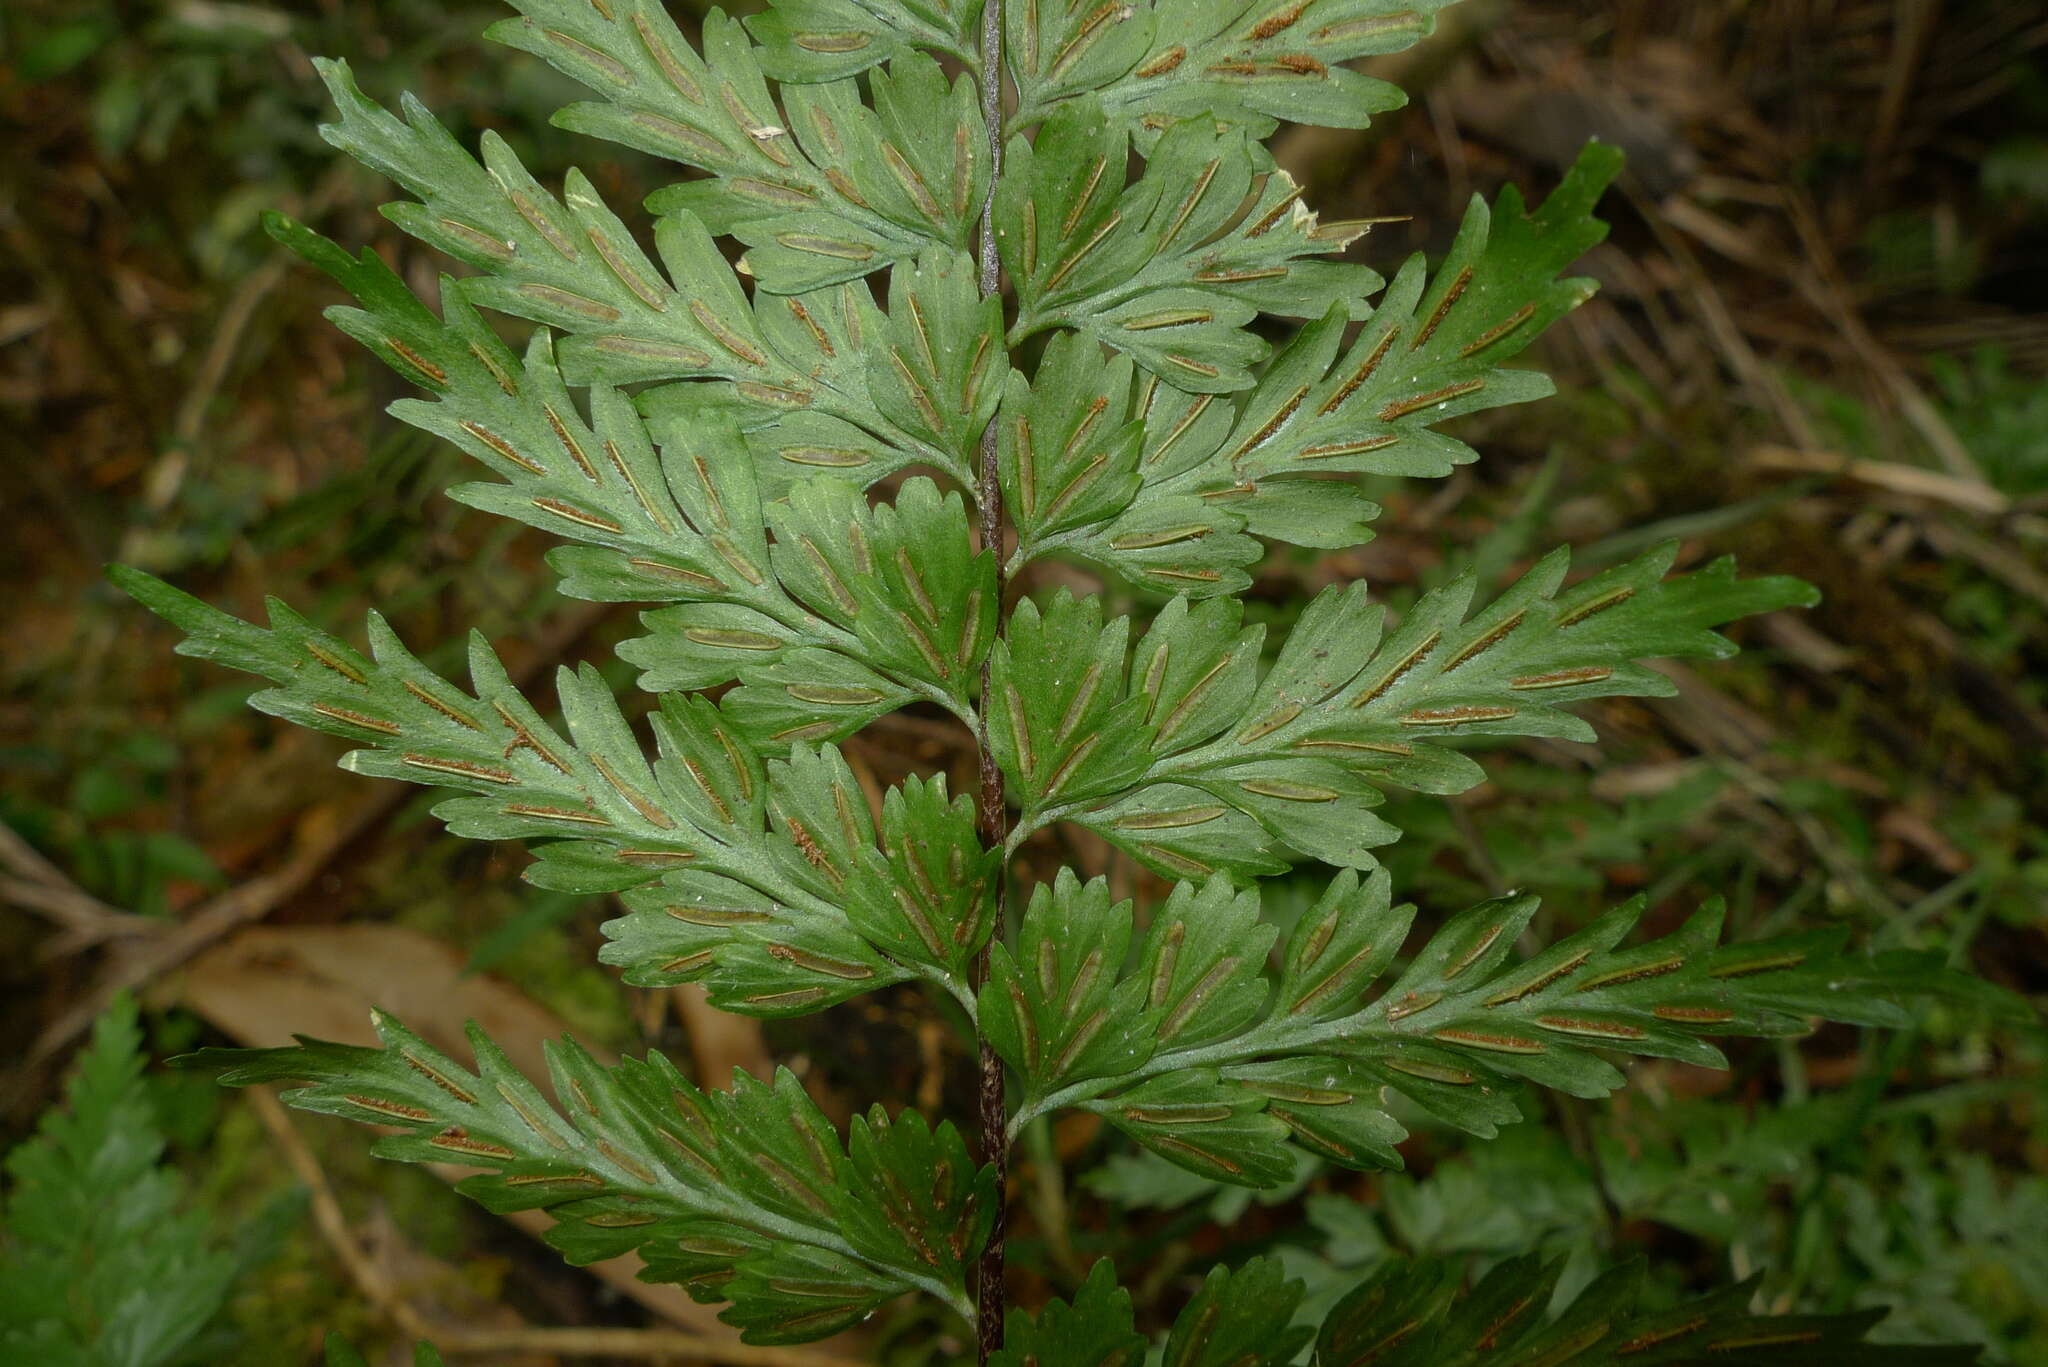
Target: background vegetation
x=1820 y=345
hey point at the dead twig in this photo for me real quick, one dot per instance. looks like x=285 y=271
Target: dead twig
x=1970 y=495
x=188 y=424
x=1825 y=288
x=35 y=884
x=1762 y=382
x=146 y=959
x=329 y=1219
x=86 y=920
x=1912 y=28
x=1998 y=560
x=167 y=475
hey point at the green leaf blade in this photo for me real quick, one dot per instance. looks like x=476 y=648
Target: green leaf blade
x=735 y=1194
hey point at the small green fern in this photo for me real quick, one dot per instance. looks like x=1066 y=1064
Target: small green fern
x=964 y=338
x=99 y=1264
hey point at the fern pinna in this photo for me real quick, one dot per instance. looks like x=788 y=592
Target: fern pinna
x=1002 y=265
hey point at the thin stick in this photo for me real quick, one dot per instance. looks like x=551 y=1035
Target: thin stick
x=994 y=817
x=1932 y=486
x=35 y=884
x=142 y=960
x=1823 y=284
x=331 y=1222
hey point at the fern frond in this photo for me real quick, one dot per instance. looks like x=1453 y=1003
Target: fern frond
x=1414 y=1313
x=722 y=469
x=565 y=262
x=1170 y=269
x=1421 y=1314
x=790 y=372
x=1434 y=346
x=825 y=189
x=1194 y=762
x=767 y=874
x=827 y=40
x=99 y=1262
x=1173 y=514
x=890 y=605
x=746 y=1196
x=572 y=265
x=1195 y=1055
x=1248 y=62
x=913 y=898
x=684 y=525
x=1079 y=474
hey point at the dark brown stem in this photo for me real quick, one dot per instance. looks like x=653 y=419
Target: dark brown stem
x=995 y=818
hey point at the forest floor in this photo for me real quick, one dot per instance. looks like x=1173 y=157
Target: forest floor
x=1820 y=346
